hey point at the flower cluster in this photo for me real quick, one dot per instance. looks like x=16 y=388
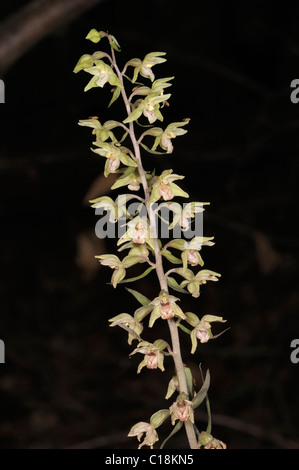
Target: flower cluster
x=120 y=145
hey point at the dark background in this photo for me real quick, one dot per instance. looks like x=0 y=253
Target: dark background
x=67 y=380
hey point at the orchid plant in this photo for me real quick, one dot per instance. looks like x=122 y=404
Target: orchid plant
x=121 y=144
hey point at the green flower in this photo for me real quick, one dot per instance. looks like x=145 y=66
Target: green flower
x=183 y=215
x=118 y=266
x=114 y=155
x=153 y=356
x=149 y=432
x=117 y=209
x=194 y=281
x=181 y=409
x=165 y=307
x=171 y=131
x=138 y=232
x=144 y=67
x=102 y=74
x=126 y=321
x=163 y=186
x=190 y=250
x=156 y=89
x=149 y=107
x=102 y=132
x=130 y=177
x=202 y=328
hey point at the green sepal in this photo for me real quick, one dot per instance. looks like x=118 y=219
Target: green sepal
x=85 y=61
x=154 y=152
x=92 y=83
x=169 y=256
x=145 y=273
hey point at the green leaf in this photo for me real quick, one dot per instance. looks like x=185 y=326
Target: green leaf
x=201 y=395
x=175 y=286
x=92 y=83
x=154 y=152
x=177 y=427
x=140 y=297
x=183 y=328
x=171 y=258
x=132 y=279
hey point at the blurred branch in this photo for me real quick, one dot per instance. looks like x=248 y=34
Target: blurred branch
x=33 y=22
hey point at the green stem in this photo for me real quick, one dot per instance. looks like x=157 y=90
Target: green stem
x=176 y=349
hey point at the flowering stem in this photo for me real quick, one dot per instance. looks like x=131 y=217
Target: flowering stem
x=179 y=365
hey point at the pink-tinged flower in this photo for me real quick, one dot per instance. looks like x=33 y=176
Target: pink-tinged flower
x=153 y=354
x=139 y=235
x=113 y=164
x=144 y=67
x=166 y=309
x=126 y=321
x=192 y=257
x=164 y=186
x=149 y=112
x=165 y=191
x=146 y=71
x=143 y=428
x=166 y=141
x=185 y=223
x=152 y=360
x=181 y=409
x=203 y=331
x=202 y=328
